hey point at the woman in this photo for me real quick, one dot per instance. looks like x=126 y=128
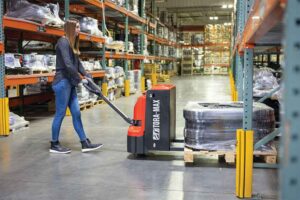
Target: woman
x=68 y=67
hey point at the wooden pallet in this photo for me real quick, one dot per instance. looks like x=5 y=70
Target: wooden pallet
x=40 y=71
x=13 y=130
x=269 y=157
x=98 y=102
x=86 y=105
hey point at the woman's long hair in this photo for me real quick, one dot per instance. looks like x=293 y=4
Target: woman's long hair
x=69 y=28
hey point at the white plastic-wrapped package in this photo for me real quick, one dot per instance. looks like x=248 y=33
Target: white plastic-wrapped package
x=97 y=65
x=263 y=82
x=119 y=82
x=16 y=122
x=119 y=71
x=50 y=62
x=48 y=14
x=11 y=61
x=82 y=93
x=110 y=72
x=90 y=25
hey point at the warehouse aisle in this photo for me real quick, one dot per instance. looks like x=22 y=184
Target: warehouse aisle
x=28 y=171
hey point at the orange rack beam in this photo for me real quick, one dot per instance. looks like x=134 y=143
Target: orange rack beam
x=1 y=48
x=264 y=16
x=206 y=45
x=25 y=25
x=13 y=80
x=111 y=55
x=217 y=64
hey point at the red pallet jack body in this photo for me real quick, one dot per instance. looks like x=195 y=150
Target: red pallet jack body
x=154 y=122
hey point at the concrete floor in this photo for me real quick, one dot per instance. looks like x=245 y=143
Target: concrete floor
x=28 y=171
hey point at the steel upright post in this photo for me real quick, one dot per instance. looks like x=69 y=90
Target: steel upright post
x=290 y=141
x=4 y=114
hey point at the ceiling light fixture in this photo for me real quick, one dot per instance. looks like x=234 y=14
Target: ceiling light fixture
x=230 y=6
x=224 y=6
x=214 y=18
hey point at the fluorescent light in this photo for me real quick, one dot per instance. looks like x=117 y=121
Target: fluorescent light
x=216 y=18
x=255 y=17
x=227 y=24
x=230 y=6
x=224 y=6
x=211 y=18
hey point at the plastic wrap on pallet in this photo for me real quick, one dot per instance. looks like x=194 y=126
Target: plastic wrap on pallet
x=212 y=126
x=264 y=82
x=90 y=25
x=119 y=71
x=50 y=62
x=117 y=45
x=110 y=72
x=133 y=6
x=197 y=38
x=11 y=60
x=37 y=45
x=82 y=93
x=16 y=122
x=48 y=14
x=134 y=77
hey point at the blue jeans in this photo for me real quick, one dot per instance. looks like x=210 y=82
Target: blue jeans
x=66 y=96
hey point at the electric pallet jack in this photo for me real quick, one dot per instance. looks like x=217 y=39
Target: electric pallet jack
x=154 y=122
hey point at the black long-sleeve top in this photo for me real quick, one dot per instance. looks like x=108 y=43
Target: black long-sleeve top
x=68 y=64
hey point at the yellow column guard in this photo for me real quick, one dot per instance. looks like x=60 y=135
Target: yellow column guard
x=127 y=88
x=143 y=88
x=244 y=163
x=4 y=117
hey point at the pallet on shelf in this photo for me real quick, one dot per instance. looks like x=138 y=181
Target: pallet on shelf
x=269 y=156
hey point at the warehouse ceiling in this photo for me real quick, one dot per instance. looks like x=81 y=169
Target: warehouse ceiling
x=195 y=12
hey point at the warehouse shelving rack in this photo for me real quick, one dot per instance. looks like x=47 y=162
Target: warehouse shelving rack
x=256 y=22
x=27 y=30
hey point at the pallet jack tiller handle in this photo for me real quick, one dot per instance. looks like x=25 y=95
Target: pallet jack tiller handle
x=89 y=84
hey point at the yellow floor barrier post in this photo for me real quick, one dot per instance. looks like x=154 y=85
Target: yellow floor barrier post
x=237 y=162
x=143 y=88
x=244 y=163
x=127 y=88
x=104 y=89
x=68 y=112
x=4 y=117
x=154 y=78
x=248 y=163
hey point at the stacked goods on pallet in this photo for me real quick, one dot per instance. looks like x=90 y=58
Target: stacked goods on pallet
x=16 y=122
x=48 y=14
x=133 y=6
x=111 y=84
x=119 y=2
x=187 y=62
x=264 y=82
x=29 y=63
x=217 y=56
x=90 y=25
x=119 y=80
x=217 y=33
x=197 y=38
x=92 y=65
x=134 y=77
x=212 y=126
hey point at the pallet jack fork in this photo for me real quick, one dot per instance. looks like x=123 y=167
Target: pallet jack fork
x=154 y=122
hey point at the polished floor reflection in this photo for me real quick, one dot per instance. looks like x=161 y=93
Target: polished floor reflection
x=28 y=171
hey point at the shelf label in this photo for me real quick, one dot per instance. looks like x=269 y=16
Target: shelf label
x=88 y=37
x=41 y=29
x=43 y=79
